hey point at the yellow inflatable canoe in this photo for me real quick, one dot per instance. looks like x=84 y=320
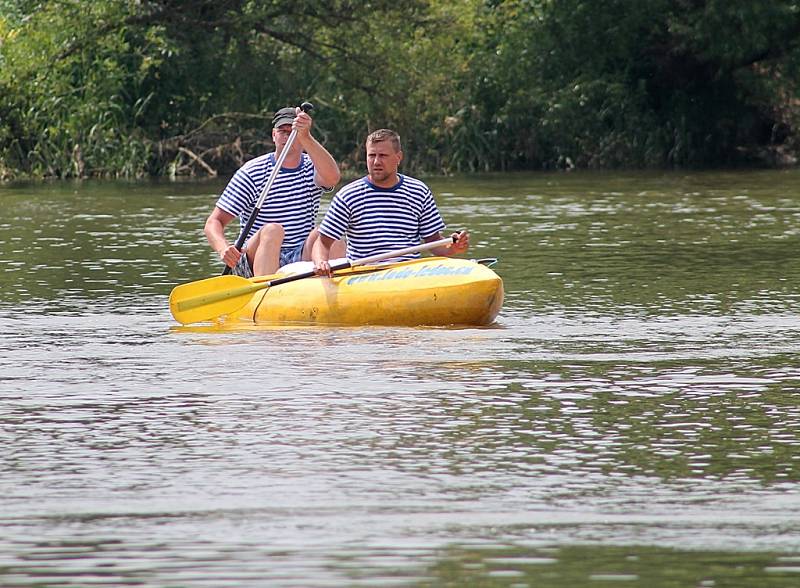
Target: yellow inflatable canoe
x=427 y=291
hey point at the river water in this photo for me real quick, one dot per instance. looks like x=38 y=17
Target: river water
x=632 y=419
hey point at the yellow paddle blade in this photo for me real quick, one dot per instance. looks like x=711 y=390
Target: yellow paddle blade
x=210 y=298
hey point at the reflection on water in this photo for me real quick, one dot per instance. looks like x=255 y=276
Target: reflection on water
x=631 y=420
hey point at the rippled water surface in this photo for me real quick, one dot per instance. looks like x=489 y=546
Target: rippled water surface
x=633 y=418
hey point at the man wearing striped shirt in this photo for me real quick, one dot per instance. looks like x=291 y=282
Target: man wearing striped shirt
x=283 y=231
x=383 y=211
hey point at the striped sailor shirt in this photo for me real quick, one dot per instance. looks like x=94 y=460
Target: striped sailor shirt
x=379 y=220
x=292 y=202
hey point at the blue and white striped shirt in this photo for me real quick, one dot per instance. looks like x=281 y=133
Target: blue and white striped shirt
x=292 y=202
x=379 y=220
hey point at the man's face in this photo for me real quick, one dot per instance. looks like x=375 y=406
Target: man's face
x=281 y=135
x=382 y=161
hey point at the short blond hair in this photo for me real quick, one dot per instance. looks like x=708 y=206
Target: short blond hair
x=385 y=135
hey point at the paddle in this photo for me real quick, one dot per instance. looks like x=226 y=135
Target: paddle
x=213 y=297
x=305 y=107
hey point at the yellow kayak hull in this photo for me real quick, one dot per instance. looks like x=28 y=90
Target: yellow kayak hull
x=427 y=291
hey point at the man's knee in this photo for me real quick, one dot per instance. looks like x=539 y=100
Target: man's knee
x=271 y=232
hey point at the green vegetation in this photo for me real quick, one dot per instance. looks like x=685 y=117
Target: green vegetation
x=127 y=88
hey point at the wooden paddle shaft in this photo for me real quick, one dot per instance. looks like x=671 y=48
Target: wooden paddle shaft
x=365 y=260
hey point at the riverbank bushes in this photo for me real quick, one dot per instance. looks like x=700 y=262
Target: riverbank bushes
x=125 y=88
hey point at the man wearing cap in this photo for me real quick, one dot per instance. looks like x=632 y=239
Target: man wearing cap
x=283 y=231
